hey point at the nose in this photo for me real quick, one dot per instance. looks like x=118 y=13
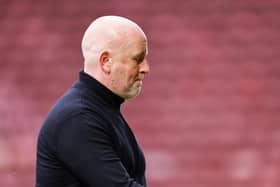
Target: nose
x=144 y=67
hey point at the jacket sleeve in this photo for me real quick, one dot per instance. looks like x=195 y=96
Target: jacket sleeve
x=84 y=145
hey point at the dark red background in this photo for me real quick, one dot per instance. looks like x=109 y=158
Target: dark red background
x=208 y=115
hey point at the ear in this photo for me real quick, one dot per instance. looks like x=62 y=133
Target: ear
x=105 y=62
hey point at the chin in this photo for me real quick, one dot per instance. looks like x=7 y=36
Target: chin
x=133 y=95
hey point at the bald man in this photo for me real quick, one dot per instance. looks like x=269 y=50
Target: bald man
x=85 y=141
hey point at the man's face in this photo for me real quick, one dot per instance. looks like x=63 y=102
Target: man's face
x=129 y=67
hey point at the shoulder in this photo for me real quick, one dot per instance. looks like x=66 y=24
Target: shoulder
x=71 y=111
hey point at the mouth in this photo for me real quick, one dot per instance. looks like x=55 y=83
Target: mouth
x=140 y=78
x=139 y=82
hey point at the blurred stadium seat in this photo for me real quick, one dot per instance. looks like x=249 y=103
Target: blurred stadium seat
x=208 y=115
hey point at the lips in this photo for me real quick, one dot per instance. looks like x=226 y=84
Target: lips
x=139 y=82
x=139 y=79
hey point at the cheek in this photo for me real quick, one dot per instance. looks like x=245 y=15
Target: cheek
x=123 y=76
x=126 y=74
x=119 y=78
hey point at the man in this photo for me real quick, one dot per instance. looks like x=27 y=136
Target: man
x=85 y=141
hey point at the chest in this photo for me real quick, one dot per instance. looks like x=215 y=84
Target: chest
x=127 y=147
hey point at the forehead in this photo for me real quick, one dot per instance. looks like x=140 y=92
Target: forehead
x=136 y=46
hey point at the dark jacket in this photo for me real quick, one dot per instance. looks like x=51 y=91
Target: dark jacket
x=86 y=142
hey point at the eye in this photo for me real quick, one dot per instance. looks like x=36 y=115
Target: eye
x=139 y=58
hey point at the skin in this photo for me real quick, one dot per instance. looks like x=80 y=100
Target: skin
x=115 y=53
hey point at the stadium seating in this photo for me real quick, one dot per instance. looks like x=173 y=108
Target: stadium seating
x=208 y=115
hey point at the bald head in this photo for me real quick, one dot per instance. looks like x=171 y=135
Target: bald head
x=115 y=50
x=107 y=33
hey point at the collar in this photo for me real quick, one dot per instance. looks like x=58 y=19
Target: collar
x=99 y=89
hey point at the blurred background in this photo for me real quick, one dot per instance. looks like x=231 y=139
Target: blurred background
x=208 y=115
